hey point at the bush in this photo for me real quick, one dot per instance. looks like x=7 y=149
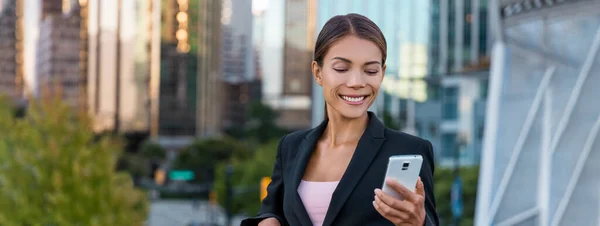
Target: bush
x=246 y=178
x=53 y=172
x=444 y=178
x=203 y=156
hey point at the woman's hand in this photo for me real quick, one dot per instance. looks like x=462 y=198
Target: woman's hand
x=410 y=211
x=269 y=222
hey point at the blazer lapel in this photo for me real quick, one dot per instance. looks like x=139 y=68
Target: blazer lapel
x=366 y=150
x=304 y=152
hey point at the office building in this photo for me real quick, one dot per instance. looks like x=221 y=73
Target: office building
x=58 y=57
x=541 y=149
x=190 y=99
x=239 y=62
x=119 y=59
x=298 y=41
x=11 y=44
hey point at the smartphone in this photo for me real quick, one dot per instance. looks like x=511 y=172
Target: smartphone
x=404 y=169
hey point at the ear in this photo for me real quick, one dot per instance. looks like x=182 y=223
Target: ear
x=317 y=73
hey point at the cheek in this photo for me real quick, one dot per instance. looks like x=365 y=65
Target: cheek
x=375 y=83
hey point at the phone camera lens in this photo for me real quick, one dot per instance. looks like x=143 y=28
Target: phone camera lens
x=404 y=165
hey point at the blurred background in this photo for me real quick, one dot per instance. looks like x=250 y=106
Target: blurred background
x=168 y=112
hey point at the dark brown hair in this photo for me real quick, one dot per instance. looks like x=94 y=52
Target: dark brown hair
x=350 y=24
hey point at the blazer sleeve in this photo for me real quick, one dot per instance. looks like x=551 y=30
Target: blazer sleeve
x=272 y=205
x=431 y=218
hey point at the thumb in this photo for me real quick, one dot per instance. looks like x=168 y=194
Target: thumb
x=420 y=188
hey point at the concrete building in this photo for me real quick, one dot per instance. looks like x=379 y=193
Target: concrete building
x=121 y=51
x=190 y=98
x=58 y=57
x=239 y=62
x=11 y=44
x=541 y=149
x=299 y=32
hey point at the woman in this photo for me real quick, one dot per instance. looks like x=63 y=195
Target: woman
x=331 y=174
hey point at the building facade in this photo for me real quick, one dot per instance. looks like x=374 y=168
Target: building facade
x=299 y=32
x=190 y=96
x=58 y=56
x=541 y=148
x=118 y=59
x=240 y=75
x=11 y=43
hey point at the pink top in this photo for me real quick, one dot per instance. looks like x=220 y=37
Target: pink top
x=316 y=197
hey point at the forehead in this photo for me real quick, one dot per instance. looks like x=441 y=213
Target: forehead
x=355 y=49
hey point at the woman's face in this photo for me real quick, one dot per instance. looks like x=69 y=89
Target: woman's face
x=351 y=75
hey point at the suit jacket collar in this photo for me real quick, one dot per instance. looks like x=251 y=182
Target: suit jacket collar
x=366 y=150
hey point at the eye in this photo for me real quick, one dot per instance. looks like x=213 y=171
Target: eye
x=340 y=70
x=372 y=72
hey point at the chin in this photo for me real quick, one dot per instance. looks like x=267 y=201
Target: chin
x=353 y=113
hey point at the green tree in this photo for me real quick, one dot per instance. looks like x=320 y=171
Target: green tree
x=391 y=122
x=246 y=178
x=53 y=172
x=261 y=126
x=444 y=178
x=203 y=155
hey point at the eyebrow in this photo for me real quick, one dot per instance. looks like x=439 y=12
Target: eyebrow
x=349 y=61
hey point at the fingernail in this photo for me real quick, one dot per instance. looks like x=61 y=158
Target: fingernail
x=376 y=191
x=373 y=203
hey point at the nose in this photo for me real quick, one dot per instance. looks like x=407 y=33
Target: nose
x=356 y=80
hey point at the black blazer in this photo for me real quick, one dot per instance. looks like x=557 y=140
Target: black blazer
x=351 y=203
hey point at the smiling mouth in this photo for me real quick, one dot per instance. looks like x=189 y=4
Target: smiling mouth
x=354 y=99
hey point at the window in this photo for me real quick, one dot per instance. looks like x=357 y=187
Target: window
x=450 y=103
x=448 y=145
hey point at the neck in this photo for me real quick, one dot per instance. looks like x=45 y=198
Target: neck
x=341 y=130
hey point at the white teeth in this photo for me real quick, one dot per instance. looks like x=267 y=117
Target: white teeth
x=353 y=99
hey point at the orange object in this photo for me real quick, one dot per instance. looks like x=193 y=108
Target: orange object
x=264 y=183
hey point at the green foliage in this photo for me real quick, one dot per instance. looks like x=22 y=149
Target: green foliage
x=203 y=155
x=246 y=178
x=52 y=172
x=153 y=151
x=391 y=122
x=261 y=126
x=443 y=184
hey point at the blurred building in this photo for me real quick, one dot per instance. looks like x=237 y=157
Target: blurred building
x=59 y=53
x=541 y=147
x=11 y=44
x=239 y=63
x=238 y=97
x=300 y=26
x=191 y=90
x=436 y=74
x=120 y=56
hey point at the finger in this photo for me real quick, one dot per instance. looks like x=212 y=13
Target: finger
x=402 y=206
x=403 y=191
x=420 y=188
x=388 y=199
x=388 y=212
